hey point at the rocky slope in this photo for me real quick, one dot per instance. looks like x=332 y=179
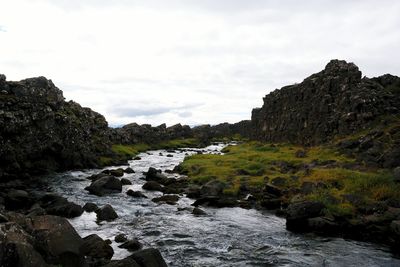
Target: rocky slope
x=334 y=102
x=42 y=132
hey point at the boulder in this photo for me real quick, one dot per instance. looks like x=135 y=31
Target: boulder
x=90 y=207
x=150 y=257
x=115 y=172
x=106 y=213
x=131 y=245
x=152 y=186
x=169 y=199
x=120 y=238
x=105 y=185
x=16 y=248
x=95 y=247
x=129 y=170
x=212 y=188
x=60 y=206
x=136 y=194
x=57 y=240
x=125 y=181
x=298 y=213
x=272 y=190
x=155 y=175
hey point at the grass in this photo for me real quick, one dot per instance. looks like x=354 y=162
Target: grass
x=253 y=164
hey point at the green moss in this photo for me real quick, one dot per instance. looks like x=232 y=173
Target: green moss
x=252 y=164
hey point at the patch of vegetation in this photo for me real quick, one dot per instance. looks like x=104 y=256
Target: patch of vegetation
x=254 y=164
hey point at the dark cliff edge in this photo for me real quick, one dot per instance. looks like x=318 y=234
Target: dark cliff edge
x=41 y=132
x=333 y=103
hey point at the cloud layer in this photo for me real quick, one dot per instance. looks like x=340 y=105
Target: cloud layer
x=190 y=61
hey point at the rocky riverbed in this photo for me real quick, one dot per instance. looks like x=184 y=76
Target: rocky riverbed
x=211 y=236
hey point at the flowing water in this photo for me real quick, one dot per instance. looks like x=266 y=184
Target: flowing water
x=223 y=237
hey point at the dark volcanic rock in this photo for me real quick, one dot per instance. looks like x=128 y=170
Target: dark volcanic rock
x=198 y=211
x=136 y=194
x=152 y=186
x=106 y=213
x=45 y=133
x=297 y=215
x=131 y=245
x=120 y=238
x=155 y=175
x=58 y=240
x=129 y=170
x=125 y=181
x=90 y=207
x=150 y=257
x=95 y=247
x=170 y=199
x=335 y=101
x=105 y=185
x=60 y=206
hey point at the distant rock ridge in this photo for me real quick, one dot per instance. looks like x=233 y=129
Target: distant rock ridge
x=334 y=102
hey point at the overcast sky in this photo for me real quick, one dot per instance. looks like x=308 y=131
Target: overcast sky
x=190 y=61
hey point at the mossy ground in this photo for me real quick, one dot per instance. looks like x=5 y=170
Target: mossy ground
x=254 y=164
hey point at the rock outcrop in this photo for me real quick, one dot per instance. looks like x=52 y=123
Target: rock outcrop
x=334 y=102
x=42 y=132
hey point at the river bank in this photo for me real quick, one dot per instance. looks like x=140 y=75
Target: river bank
x=223 y=236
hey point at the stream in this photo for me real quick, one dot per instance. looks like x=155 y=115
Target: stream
x=223 y=237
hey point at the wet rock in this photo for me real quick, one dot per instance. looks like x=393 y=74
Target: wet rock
x=150 y=257
x=137 y=158
x=120 y=238
x=212 y=188
x=95 y=247
x=131 y=245
x=105 y=185
x=17 y=199
x=155 y=175
x=116 y=172
x=218 y=202
x=60 y=206
x=125 y=181
x=169 y=199
x=169 y=155
x=298 y=213
x=36 y=210
x=129 y=170
x=323 y=225
x=90 y=207
x=152 y=186
x=106 y=213
x=57 y=240
x=136 y=194
x=97 y=176
x=198 y=211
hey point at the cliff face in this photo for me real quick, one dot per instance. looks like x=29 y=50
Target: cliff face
x=333 y=102
x=42 y=132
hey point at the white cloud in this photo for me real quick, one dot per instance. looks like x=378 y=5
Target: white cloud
x=215 y=58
